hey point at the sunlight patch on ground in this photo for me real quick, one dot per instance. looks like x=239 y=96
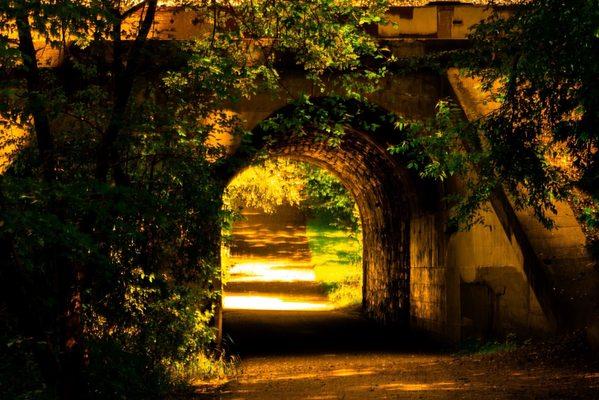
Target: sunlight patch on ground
x=416 y=387
x=281 y=270
x=272 y=303
x=270 y=236
x=337 y=373
x=352 y=372
x=270 y=268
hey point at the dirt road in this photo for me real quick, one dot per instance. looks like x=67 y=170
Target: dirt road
x=298 y=347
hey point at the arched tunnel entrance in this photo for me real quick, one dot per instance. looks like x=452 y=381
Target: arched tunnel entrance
x=402 y=218
x=292 y=241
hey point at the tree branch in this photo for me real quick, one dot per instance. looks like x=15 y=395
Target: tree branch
x=127 y=13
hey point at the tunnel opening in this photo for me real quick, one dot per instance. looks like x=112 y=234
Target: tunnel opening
x=405 y=281
x=294 y=240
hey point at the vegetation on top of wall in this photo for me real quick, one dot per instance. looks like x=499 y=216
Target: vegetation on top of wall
x=541 y=142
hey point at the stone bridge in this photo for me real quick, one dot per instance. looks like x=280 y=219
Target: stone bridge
x=508 y=275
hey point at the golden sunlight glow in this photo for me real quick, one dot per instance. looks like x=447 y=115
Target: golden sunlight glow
x=273 y=303
x=335 y=373
x=277 y=258
x=272 y=271
x=415 y=387
x=271 y=267
x=12 y=138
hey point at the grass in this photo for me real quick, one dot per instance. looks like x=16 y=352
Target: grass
x=337 y=258
x=202 y=369
x=480 y=347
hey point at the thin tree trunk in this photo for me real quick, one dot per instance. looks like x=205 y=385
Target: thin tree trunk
x=41 y=122
x=70 y=381
x=107 y=157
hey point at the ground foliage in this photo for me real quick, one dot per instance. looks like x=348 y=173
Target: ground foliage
x=337 y=259
x=110 y=214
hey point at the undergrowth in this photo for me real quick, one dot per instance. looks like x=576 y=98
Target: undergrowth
x=337 y=258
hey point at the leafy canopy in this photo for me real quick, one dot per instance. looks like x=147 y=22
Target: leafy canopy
x=110 y=212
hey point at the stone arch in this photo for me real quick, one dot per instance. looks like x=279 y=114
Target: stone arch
x=402 y=214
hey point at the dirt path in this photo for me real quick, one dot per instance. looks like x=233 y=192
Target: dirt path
x=316 y=353
x=272 y=267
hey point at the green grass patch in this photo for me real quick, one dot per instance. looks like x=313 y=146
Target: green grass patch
x=337 y=259
x=477 y=346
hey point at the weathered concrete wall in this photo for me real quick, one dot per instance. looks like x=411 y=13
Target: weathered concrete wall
x=573 y=271
x=470 y=284
x=487 y=264
x=405 y=20
x=431 y=286
x=414 y=95
x=561 y=254
x=450 y=21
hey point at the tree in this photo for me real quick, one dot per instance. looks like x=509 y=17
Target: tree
x=281 y=181
x=541 y=143
x=544 y=135
x=110 y=217
x=268 y=185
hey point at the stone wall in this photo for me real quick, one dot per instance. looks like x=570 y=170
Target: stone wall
x=557 y=259
x=430 y=284
x=484 y=258
x=398 y=219
x=375 y=182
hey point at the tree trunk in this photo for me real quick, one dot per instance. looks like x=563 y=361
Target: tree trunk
x=70 y=379
x=35 y=102
x=107 y=157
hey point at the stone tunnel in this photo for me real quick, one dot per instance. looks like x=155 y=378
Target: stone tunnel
x=509 y=275
x=403 y=216
x=390 y=203
x=487 y=281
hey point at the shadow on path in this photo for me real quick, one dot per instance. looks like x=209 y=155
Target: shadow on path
x=260 y=332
